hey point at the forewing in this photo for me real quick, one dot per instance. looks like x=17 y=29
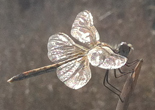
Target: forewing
x=61 y=47
x=105 y=58
x=75 y=74
x=83 y=29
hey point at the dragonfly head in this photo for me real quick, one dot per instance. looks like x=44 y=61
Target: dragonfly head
x=124 y=49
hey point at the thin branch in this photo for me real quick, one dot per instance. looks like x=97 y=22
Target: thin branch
x=129 y=87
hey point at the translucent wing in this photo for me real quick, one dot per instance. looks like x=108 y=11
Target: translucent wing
x=105 y=58
x=83 y=29
x=61 y=47
x=75 y=74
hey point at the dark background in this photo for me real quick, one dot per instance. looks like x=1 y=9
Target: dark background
x=26 y=25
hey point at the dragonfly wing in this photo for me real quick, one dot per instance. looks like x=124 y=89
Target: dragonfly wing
x=83 y=29
x=75 y=74
x=61 y=47
x=105 y=58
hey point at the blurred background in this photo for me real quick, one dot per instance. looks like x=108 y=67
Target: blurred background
x=26 y=25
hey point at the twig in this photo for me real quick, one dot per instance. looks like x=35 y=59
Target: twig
x=129 y=87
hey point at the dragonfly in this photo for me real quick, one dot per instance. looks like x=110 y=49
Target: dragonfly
x=73 y=60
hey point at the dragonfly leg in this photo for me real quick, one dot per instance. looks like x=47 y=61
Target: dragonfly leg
x=128 y=64
x=108 y=81
x=104 y=83
x=122 y=73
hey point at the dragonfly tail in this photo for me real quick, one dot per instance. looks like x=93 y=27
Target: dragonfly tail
x=31 y=73
x=39 y=71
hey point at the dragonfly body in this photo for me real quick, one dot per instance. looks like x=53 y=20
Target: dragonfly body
x=72 y=59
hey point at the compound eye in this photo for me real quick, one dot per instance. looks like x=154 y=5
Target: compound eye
x=124 y=49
